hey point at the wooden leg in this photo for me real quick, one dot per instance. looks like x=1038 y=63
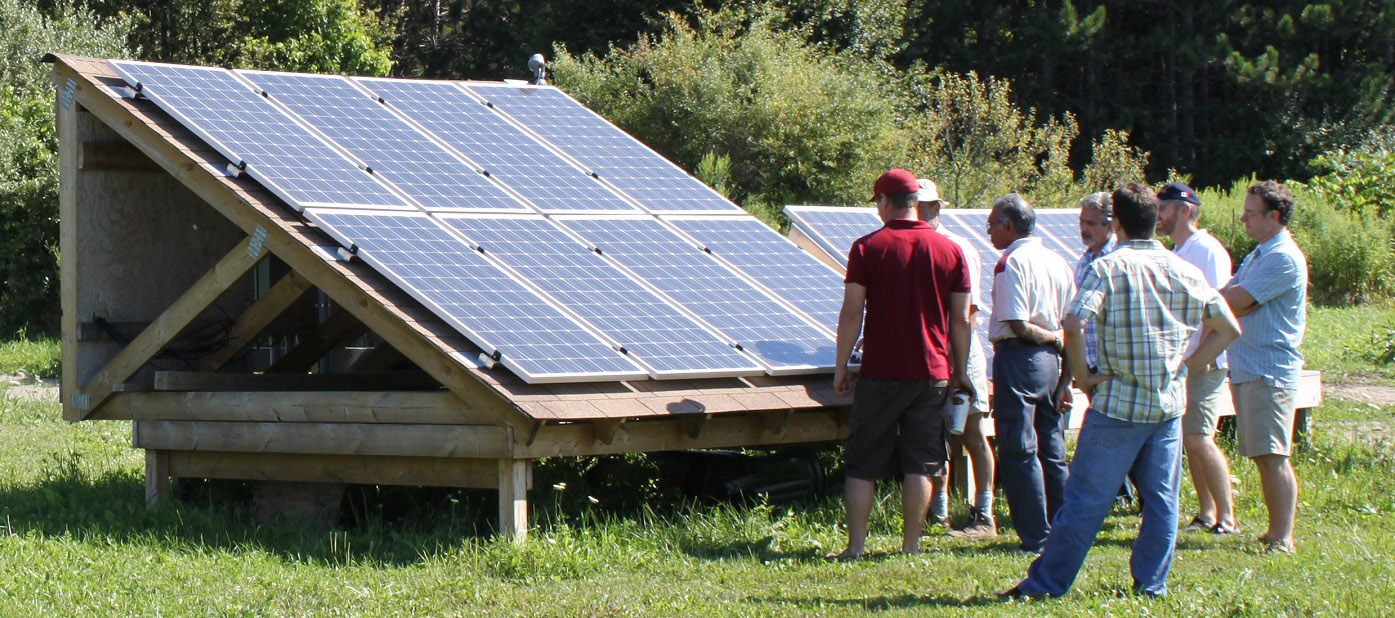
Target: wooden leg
x=513 y=498
x=157 y=477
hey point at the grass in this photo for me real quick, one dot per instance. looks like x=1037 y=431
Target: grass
x=76 y=539
x=37 y=358
x=1350 y=342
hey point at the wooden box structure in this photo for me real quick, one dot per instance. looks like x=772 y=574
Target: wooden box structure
x=158 y=241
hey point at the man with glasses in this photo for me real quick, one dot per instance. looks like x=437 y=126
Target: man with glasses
x=1096 y=214
x=1269 y=293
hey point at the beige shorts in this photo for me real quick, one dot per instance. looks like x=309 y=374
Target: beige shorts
x=978 y=374
x=1263 y=418
x=1204 y=402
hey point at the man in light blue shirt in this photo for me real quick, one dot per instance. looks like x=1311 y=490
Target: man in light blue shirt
x=1096 y=231
x=1269 y=293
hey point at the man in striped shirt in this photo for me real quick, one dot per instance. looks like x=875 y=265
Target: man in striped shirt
x=1147 y=302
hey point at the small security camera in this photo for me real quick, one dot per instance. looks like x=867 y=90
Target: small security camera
x=538 y=65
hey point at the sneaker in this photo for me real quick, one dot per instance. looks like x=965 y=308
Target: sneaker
x=1272 y=546
x=1023 y=551
x=938 y=521
x=979 y=527
x=1198 y=524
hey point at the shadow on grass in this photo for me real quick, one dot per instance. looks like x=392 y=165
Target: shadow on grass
x=885 y=603
x=389 y=527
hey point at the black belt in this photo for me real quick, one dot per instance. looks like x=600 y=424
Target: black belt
x=1016 y=341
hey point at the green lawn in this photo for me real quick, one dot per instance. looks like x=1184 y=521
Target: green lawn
x=76 y=540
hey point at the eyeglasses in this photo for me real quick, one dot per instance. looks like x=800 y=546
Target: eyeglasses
x=1246 y=213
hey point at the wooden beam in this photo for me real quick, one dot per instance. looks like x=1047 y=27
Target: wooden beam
x=248 y=207
x=775 y=422
x=114 y=156
x=426 y=471
x=604 y=429
x=461 y=441
x=256 y=318
x=668 y=434
x=157 y=477
x=424 y=407
x=197 y=381
x=513 y=498
x=339 y=328
x=169 y=324
x=380 y=358
x=693 y=424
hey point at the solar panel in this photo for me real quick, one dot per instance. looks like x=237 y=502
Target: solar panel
x=1060 y=230
x=421 y=168
x=507 y=153
x=692 y=278
x=530 y=336
x=613 y=154
x=655 y=333
x=770 y=259
x=834 y=228
x=281 y=154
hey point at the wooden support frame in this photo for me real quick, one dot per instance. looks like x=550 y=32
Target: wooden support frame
x=432 y=408
x=245 y=329
x=169 y=324
x=157 y=477
x=382 y=439
x=422 y=471
x=341 y=326
x=201 y=381
x=514 y=479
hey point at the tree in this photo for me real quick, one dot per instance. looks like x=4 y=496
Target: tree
x=29 y=153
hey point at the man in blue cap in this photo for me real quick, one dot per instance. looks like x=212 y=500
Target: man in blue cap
x=1179 y=210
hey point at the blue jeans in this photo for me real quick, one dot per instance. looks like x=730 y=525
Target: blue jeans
x=1031 y=437
x=1107 y=450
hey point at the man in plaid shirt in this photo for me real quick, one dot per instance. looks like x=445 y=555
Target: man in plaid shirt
x=1147 y=303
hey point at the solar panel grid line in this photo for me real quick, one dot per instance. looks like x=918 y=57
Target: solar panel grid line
x=770 y=261
x=532 y=170
x=258 y=136
x=782 y=340
x=618 y=158
x=656 y=333
x=822 y=225
x=521 y=330
x=400 y=153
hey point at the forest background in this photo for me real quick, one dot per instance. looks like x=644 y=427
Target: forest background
x=806 y=101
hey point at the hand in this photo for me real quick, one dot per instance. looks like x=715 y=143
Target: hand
x=1065 y=400
x=962 y=382
x=1088 y=383
x=842 y=381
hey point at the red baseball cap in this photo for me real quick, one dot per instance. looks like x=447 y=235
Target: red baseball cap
x=895 y=180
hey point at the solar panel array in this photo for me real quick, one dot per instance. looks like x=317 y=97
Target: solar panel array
x=522 y=219
x=833 y=229
x=612 y=154
x=270 y=145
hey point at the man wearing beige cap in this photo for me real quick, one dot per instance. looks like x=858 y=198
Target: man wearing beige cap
x=981 y=524
x=913 y=287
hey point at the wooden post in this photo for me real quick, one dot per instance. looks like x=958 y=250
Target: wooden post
x=513 y=498
x=157 y=477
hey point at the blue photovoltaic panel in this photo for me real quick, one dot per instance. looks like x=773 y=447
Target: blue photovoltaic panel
x=721 y=298
x=654 y=332
x=834 y=228
x=1060 y=230
x=534 y=339
x=773 y=261
x=243 y=126
x=610 y=152
x=424 y=170
x=506 y=152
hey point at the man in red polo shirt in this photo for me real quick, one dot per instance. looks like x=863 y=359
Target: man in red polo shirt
x=914 y=285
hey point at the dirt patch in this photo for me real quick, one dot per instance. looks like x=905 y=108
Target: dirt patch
x=1365 y=393
x=29 y=389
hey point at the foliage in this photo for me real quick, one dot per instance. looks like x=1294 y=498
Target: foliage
x=320 y=36
x=1351 y=258
x=28 y=154
x=977 y=144
x=740 y=84
x=1358 y=182
x=1350 y=340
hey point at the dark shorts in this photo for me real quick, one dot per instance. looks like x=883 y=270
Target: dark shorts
x=897 y=420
